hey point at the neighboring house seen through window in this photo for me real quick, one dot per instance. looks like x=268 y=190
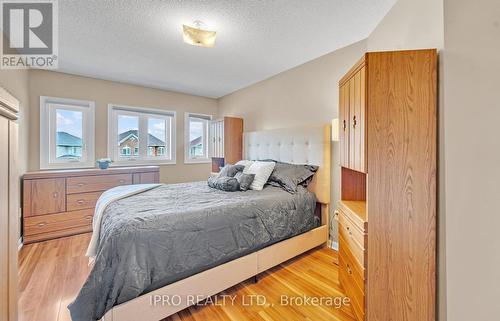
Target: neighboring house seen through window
x=140 y=135
x=66 y=133
x=196 y=138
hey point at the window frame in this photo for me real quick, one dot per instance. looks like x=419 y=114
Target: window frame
x=143 y=115
x=198 y=160
x=48 y=132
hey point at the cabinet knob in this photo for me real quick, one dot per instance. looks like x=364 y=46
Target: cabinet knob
x=354 y=122
x=336 y=215
x=80 y=202
x=55 y=194
x=349 y=231
x=41 y=224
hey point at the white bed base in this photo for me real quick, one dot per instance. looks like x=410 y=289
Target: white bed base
x=308 y=145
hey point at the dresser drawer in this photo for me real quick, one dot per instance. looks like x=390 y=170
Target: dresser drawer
x=352 y=279
x=86 y=184
x=82 y=201
x=354 y=238
x=58 y=222
x=46 y=196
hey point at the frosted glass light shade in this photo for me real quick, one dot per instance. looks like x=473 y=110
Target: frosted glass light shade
x=198 y=37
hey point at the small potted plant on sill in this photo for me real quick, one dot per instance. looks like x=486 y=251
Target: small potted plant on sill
x=104 y=163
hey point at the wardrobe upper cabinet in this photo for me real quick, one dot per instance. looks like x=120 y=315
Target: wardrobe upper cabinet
x=352 y=111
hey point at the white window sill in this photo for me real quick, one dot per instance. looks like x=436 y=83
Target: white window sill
x=141 y=163
x=198 y=161
x=67 y=166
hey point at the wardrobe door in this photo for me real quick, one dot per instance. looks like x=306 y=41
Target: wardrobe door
x=14 y=230
x=358 y=121
x=4 y=220
x=344 y=124
x=353 y=123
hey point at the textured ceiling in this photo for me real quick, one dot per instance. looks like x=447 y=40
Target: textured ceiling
x=140 y=42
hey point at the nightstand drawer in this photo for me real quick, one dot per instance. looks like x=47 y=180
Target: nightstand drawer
x=86 y=184
x=82 y=201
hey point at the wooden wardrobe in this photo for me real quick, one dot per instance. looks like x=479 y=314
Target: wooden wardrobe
x=387 y=212
x=9 y=205
x=226 y=142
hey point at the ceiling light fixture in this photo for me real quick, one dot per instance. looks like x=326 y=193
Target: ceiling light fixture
x=196 y=36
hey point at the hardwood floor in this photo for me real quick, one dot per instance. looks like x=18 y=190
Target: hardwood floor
x=52 y=272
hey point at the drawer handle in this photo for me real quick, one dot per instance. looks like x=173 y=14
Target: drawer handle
x=41 y=224
x=121 y=181
x=354 y=122
x=88 y=217
x=349 y=231
x=80 y=184
x=55 y=195
x=336 y=215
x=344 y=125
x=80 y=202
x=349 y=270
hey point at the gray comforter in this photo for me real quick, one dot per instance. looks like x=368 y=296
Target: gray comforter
x=173 y=231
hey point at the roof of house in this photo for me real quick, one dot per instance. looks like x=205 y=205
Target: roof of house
x=66 y=139
x=196 y=141
x=152 y=140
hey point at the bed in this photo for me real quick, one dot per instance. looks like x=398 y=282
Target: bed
x=190 y=241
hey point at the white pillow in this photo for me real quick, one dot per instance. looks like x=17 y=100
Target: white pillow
x=245 y=163
x=262 y=171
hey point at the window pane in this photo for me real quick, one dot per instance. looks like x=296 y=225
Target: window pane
x=196 y=138
x=156 y=137
x=69 y=133
x=128 y=135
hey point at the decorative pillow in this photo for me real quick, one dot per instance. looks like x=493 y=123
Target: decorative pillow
x=224 y=183
x=262 y=171
x=289 y=176
x=245 y=180
x=245 y=163
x=231 y=170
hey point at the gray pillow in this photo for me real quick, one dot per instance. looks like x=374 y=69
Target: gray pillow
x=231 y=170
x=245 y=180
x=224 y=183
x=289 y=176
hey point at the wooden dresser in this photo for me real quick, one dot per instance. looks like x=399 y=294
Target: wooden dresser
x=61 y=203
x=387 y=212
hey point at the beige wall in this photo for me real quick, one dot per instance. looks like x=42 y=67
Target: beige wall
x=472 y=158
x=304 y=95
x=410 y=24
x=16 y=82
x=102 y=92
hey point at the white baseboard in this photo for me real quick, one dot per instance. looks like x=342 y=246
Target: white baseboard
x=20 y=245
x=334 y=245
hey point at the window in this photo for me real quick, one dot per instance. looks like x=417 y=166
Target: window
x=141 y=135
x=66 y=133
x=196 y=138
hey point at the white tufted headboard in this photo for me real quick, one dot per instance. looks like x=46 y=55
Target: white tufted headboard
x=300 y=145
